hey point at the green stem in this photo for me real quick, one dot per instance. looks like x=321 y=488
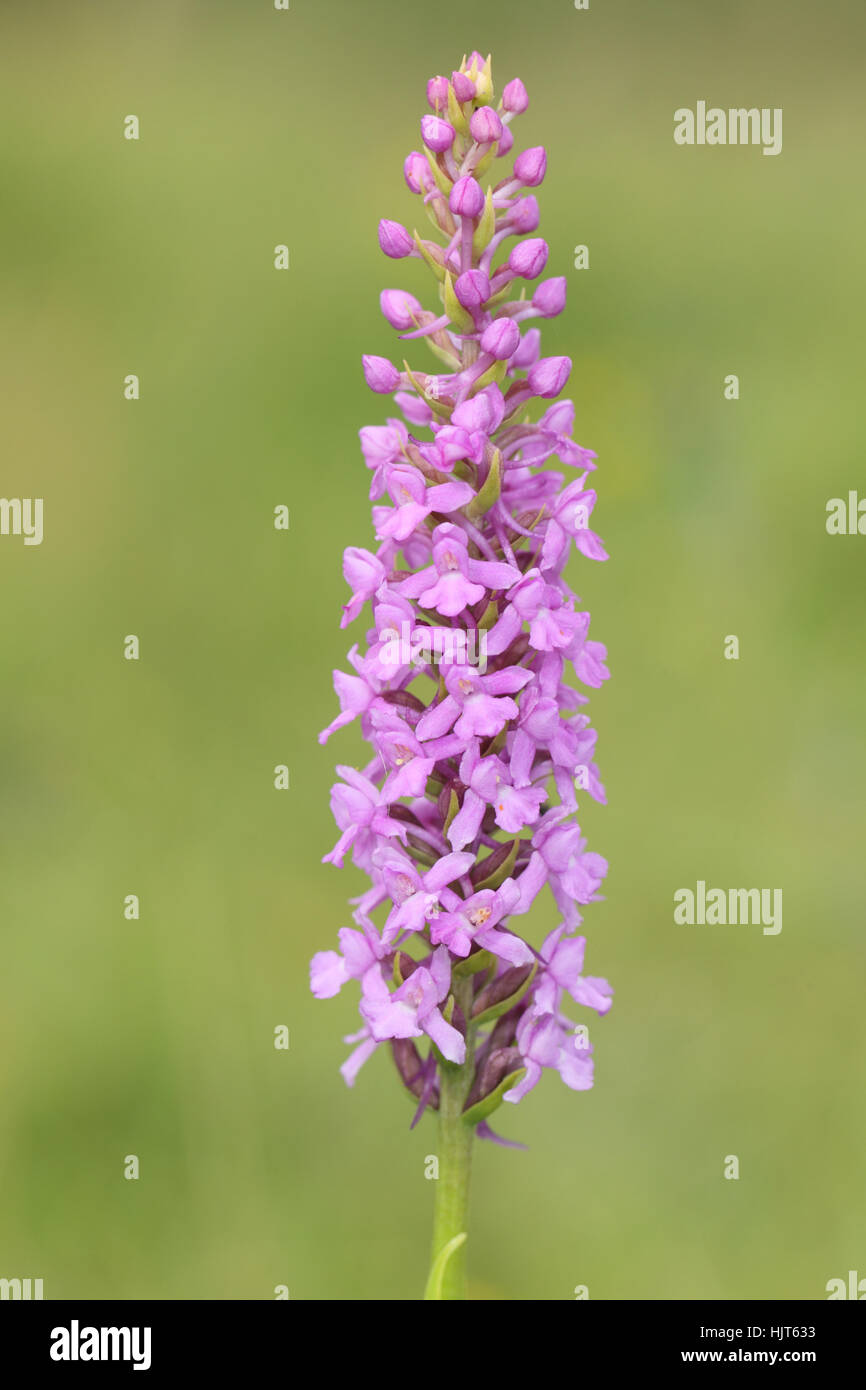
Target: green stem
x=451 y=1204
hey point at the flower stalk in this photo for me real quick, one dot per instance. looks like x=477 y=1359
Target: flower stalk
x=456 y=1137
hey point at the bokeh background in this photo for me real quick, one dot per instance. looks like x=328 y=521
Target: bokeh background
x=155 y=1037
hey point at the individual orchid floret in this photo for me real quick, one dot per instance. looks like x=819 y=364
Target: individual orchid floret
x=569 y=522
x=451 y=444
x=395 y=740
x=563 y=961
x=488 y=783
x=413 y=1009
x=414 y=501
x=543 y=1041
x=475 y=705
x=455 y=580
x=552 y=623
x=360 y=951
x=364 y=573
x=475 y=921
x=416 y=895
x=560 y=859
x=361 y=810
x=356 y=695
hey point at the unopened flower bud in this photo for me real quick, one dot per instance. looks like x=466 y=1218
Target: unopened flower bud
x=402 y=310
x=394 y=240
x=497 y=1064
x=528 y=350
x=506 y=140
x=531 y=165
x=549 y=297
x=416 y=172
x=484 y=125
x=500 y=339
x=502 y=988
x=437 y=93
x=380 y=375
x=514 y=97
x=437 y=134
x=548 y=376
x=464 y=87
x=523 y=217
x=529 y=258
x=467 y=199
x=472 y=288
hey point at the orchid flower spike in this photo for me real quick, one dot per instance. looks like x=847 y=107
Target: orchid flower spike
x=476 y=661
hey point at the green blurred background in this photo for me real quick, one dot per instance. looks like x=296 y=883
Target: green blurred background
x=258 y=1167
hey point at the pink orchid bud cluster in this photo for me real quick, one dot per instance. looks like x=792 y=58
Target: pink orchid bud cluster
x=468 y=805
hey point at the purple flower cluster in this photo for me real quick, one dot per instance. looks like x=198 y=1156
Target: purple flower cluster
x=468 y=807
